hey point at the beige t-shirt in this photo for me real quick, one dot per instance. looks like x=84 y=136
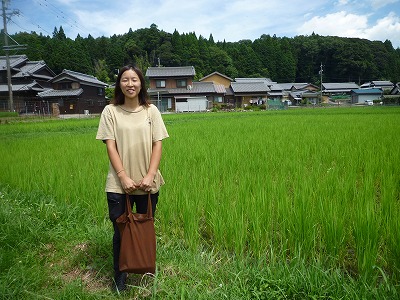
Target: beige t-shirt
x=134 y=134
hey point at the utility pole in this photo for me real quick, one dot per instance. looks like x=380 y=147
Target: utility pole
x=8 y=48
x=10 y=93
x=320 y=73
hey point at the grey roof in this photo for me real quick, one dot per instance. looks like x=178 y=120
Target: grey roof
x=83 y=78
x=276 y=87
x=31 y=67
x=50 y=93
x=206 y=87
x=297 y=85
x=378 y=83
x=170 y=71
x=15 y=61
x=303 y=93
x=261 y=79
x=22 y=87
x=337 y=86
x=250 y=87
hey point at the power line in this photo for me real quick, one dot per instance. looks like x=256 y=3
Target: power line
x=60 y=14
x=34 y=24
x=55 y=11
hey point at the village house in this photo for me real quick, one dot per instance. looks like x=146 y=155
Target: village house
x=174 y=89
x=36 y=89
x=379 y=84
x=366 y=95
x=75 y=93
x=28 y=78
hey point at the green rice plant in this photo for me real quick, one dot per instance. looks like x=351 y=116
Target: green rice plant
x=310 y=186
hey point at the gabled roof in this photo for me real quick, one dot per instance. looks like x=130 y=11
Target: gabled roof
x=276 y=87
x=33 y=86
x=197 y=88
x=50 y=93
x=15 y=61
x=216 y=73
x=303 y=94
x=378 y=83
x=67 y=75
x=170 y=72
x=339 y=86
x=261 y=79
x=396 y=89
x=367 y=91
x=250 y=87
x=31 y=67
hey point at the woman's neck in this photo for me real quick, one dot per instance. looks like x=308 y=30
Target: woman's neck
x=131 y=104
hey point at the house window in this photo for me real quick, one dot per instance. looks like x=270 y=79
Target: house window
x=66 y=85
x=181 y=83
x=100 y=91
x=218 y=99
x=160 y=83
x=169 y=103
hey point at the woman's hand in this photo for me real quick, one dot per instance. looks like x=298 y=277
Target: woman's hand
x=146 y=183
x=128 y=184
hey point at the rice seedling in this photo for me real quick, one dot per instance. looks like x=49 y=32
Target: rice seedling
x=300 y=189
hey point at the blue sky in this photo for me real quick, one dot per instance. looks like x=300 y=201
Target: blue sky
x=232 y=20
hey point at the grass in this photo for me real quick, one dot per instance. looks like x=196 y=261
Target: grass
x=258 y=205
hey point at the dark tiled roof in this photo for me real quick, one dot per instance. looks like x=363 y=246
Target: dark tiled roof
x=83 y=78
x=170 y=71
x=31 y=67
x=22 y=87
x=15 y=61
x=60 y=93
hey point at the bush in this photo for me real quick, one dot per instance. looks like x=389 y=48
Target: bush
x=7 y=114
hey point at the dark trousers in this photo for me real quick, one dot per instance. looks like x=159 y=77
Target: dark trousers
x=116 y=207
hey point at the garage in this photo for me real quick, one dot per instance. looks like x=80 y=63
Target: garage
x=187 y=104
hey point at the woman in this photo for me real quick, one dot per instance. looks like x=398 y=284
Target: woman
x=132 y=130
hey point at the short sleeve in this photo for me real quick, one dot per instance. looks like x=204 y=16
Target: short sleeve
x=105 y=130
x=159 y=130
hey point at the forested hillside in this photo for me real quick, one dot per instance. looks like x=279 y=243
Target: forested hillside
x=284 y=59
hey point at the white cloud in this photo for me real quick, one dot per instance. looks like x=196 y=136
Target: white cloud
x=376 y=4
x=351 y=25
x=387 y=28
x=340 y=24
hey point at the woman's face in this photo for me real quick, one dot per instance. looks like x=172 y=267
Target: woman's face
x=130 y=84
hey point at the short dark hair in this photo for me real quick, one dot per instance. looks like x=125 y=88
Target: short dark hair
x=119 y=97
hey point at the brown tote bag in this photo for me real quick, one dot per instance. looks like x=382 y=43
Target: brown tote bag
x=138 y=240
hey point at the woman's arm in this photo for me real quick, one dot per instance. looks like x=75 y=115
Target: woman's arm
x=147 y=181
x=127 y=183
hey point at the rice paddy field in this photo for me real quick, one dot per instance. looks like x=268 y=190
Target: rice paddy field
x=291 y=204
